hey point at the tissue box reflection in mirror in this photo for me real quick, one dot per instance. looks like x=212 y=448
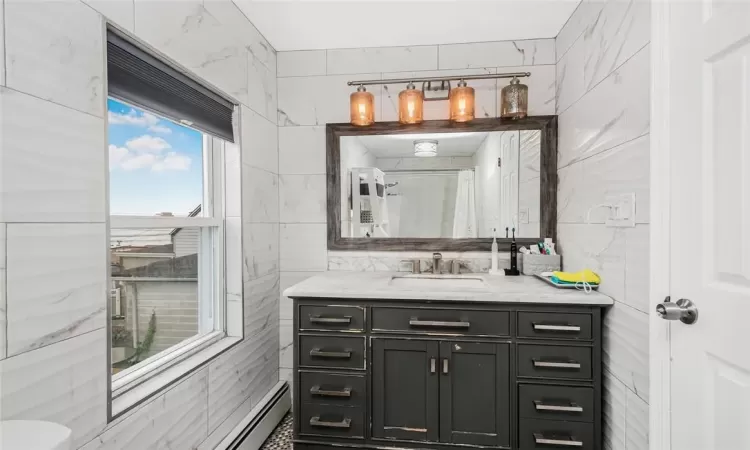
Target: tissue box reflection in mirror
x=536 y=264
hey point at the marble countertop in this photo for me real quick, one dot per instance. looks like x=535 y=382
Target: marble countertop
x=492 y=289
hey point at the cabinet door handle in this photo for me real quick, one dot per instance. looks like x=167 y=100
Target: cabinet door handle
x=445 y=365
x=551 y=327
x=570 y=441
x=571 y=407
x=556 y=364
x=438 y=324
x=346 y=320
x=316 y=422
x=316 y=390
x=320 y=353
x=432 y=365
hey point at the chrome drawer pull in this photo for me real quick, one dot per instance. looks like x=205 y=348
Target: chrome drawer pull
x=316 y=422
x=557 y=364
x=540 y=439
x=346 y=320
x=320 y=353
x=572 y=407
x=566 y=328
x=438 y=324
x=316 y=390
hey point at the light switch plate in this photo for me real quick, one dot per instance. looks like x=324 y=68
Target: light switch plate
x=523 y=215
x=622 y=213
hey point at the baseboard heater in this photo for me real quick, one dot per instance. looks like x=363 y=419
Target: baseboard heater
x=256 y=427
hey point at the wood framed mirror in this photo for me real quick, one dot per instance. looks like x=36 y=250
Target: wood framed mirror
x=440 y=185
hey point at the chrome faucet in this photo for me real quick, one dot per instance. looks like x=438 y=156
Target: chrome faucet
x=436 y=257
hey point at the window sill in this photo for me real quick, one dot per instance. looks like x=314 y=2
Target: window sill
x=131 y=397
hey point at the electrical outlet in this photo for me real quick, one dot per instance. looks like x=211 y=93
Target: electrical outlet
x=622 y=213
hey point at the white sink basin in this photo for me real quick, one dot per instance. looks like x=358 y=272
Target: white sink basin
x=428 y=281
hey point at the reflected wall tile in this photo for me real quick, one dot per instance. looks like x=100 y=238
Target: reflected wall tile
x=261 y=305
x=120 y=12
x=302 y=150
x=530 y=154
x=56 y=283
x=259 y=141
x=615 y=399
x=319 y=100
x=303 y=247
x=615 y=111
x=381 y=59
x=497 y=54
x=261 y=250
x=303 y=63
x=260 y=195
x=570 y=78
x=586 y=14
x=286 y=345
x=616 y=171
x=541 y=85
x=622 y=29
x=3 y=298
x=56 y=52
x=262 y=89
x=55 y=176
x=175 y=419
x=289 y=279
x=637 y=433
x=485 y=92
x=302 y=198
x=626 y=346
x=64 y=383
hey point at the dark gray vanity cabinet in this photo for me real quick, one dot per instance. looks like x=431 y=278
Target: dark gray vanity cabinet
x=410 y=374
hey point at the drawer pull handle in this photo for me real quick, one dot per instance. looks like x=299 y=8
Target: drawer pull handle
x=316 y=422
x=571 y=441
x=316 y=390
x=550 y=327
x=346 y=320
x=432 y=365
x=572 y=407
x=438 y=324
x=557 y=364
x=320 y=353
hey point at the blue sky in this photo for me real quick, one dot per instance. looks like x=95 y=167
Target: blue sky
x=155 y=165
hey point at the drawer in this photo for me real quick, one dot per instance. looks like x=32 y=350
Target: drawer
x=546 y=325
x=336 y=352
x=447 y=321
x=329 y=388
x=536 y=401
x=347 y=318
x=555 y=434
x=332 y=420
x=554 y=361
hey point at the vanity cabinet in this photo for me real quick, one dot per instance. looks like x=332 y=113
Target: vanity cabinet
x=421 y=374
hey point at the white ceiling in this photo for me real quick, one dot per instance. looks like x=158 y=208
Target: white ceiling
x=314 y=24
x=402 y=145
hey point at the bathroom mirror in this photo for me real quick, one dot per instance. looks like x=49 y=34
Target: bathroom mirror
x=441 y=185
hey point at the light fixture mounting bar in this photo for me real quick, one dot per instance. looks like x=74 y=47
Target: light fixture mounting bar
x=487 y=76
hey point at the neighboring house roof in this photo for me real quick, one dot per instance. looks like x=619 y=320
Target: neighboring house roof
x=193 y=213
x=180 y=267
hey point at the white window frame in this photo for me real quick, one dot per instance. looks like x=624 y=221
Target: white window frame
x=211 y=276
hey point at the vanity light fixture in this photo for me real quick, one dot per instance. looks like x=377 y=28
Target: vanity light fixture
x=425 y=148
x=514 y=100
x=462 y=102
x=362 y=107
x=410 y=105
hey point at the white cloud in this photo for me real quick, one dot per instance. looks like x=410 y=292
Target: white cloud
x=142 y=161
x=145 y=120
x=147 y=143
x=116 y=156
x=172 y=161
x=126 y=159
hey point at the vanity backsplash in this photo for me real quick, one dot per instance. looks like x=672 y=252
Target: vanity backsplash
x=373 y=261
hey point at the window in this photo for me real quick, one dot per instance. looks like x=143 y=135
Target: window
x=166 y=242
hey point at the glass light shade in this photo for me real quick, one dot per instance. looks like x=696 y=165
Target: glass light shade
x=425 y=148
x=362 y=108
x=462 y=103
x=410 y=105
x=514 y=100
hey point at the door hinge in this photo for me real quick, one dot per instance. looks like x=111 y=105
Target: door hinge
x=499 y=162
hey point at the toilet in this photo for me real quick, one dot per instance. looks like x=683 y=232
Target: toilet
x=34 y=435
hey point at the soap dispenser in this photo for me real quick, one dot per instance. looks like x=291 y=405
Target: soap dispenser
x=513 y=271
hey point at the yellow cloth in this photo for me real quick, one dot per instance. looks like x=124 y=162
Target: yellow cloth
x=585 y=275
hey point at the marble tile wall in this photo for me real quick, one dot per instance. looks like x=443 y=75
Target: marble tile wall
x=53 y=248
x=602 y=98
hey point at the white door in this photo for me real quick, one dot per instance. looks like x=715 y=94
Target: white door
x=708 y=114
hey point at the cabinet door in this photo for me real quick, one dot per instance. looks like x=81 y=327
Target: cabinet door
x=405 y=389
x=475 y=393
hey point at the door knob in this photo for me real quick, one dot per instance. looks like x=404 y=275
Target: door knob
x=684 y=310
